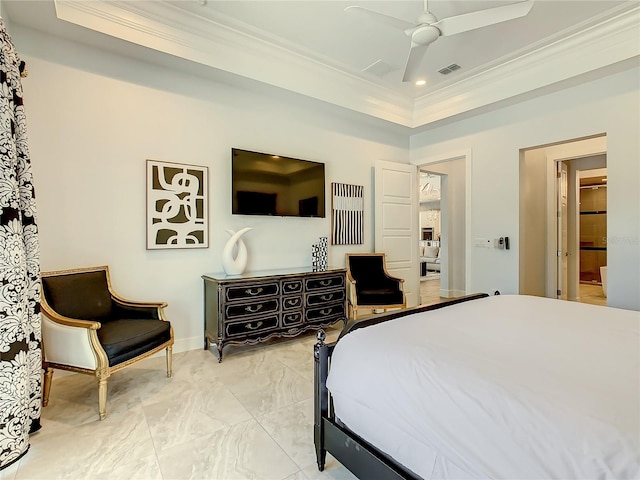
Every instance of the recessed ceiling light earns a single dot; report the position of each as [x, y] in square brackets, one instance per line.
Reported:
[419, 83]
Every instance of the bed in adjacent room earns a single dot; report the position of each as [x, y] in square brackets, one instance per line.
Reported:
[502, 387]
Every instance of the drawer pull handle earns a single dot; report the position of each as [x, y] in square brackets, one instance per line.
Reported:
[250, 326]
[293, 303]
[251, 309]
[325, 283]
[326, 298]
[250, 291]
[292, 287]
[326, 311]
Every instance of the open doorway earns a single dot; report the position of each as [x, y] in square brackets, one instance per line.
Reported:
[558, 239]
[452, 172]
[430, 251]
[592, 225]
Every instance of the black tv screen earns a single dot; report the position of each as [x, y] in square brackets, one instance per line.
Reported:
[264, 184]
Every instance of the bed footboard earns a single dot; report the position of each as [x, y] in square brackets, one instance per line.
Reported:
[361, 458]
[352, 451]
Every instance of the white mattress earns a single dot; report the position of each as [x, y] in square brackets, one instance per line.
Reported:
[504, 387]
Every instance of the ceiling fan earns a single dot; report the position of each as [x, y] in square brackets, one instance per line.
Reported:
[428, 28]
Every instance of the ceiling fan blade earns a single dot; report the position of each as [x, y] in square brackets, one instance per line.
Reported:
[416, 54]
[394, 22]
[483, 18]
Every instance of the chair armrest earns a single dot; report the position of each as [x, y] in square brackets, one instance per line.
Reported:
[131, 309]
[69, 342]
[395, 279]
[399, 280]
[67, 321]
[351, 290]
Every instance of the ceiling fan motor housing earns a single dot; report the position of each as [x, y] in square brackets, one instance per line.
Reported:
[427, 18]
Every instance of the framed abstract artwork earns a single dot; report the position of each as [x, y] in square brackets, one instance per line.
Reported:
[176, 206]
[347, 214]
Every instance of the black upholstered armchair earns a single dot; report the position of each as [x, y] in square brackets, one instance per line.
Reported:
[369, 285]
[87, 328]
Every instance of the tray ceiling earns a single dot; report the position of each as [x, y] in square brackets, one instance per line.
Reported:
[316, 49]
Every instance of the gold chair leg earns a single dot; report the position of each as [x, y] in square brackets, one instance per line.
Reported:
[46, 387]
[102, 396]
[169, 360]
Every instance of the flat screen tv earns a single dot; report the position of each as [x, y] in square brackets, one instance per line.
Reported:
[264, 184]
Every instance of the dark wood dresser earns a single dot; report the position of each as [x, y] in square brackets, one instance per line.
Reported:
[257, 306]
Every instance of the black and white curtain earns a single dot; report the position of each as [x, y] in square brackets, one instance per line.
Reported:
[20, 332]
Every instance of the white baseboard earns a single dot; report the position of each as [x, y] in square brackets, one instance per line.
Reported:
[452, 293]
[187, 344]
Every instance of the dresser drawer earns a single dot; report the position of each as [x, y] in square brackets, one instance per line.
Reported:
[321, 283]
[290, 319]
[251, 327]
[289, 303]
[248, 291]
[325, 313]
[290, 286]
[245, 309]
[322, 298]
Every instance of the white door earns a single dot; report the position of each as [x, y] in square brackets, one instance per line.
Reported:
[563, 243]
[396, 223]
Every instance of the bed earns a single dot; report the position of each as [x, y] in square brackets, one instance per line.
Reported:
[500, 387]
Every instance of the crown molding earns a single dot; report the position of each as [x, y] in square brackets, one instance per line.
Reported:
[160, 26]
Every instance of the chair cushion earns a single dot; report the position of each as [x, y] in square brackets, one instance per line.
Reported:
[380, 297]
[125, 339]
[83, 295]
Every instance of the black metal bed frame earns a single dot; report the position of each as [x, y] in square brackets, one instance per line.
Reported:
[363, 459]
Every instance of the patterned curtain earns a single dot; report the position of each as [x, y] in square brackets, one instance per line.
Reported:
[20, 333]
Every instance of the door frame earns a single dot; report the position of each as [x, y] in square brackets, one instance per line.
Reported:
[563, 274]
[552, 221]
[425, 164]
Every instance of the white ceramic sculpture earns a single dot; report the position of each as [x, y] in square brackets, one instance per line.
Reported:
[231, 265]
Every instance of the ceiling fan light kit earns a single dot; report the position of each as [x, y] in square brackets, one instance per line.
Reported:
[428, 28]
[424, 35]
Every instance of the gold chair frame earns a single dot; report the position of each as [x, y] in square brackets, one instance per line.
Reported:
[102, 370]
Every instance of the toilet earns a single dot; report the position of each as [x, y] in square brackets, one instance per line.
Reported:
[603, 276]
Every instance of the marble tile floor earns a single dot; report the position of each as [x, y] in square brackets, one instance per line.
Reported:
[249, 417]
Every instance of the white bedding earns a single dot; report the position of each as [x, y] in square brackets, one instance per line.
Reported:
[504, 387]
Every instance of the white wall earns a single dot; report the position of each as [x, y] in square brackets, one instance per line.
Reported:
[94, 118]
[608, 105]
